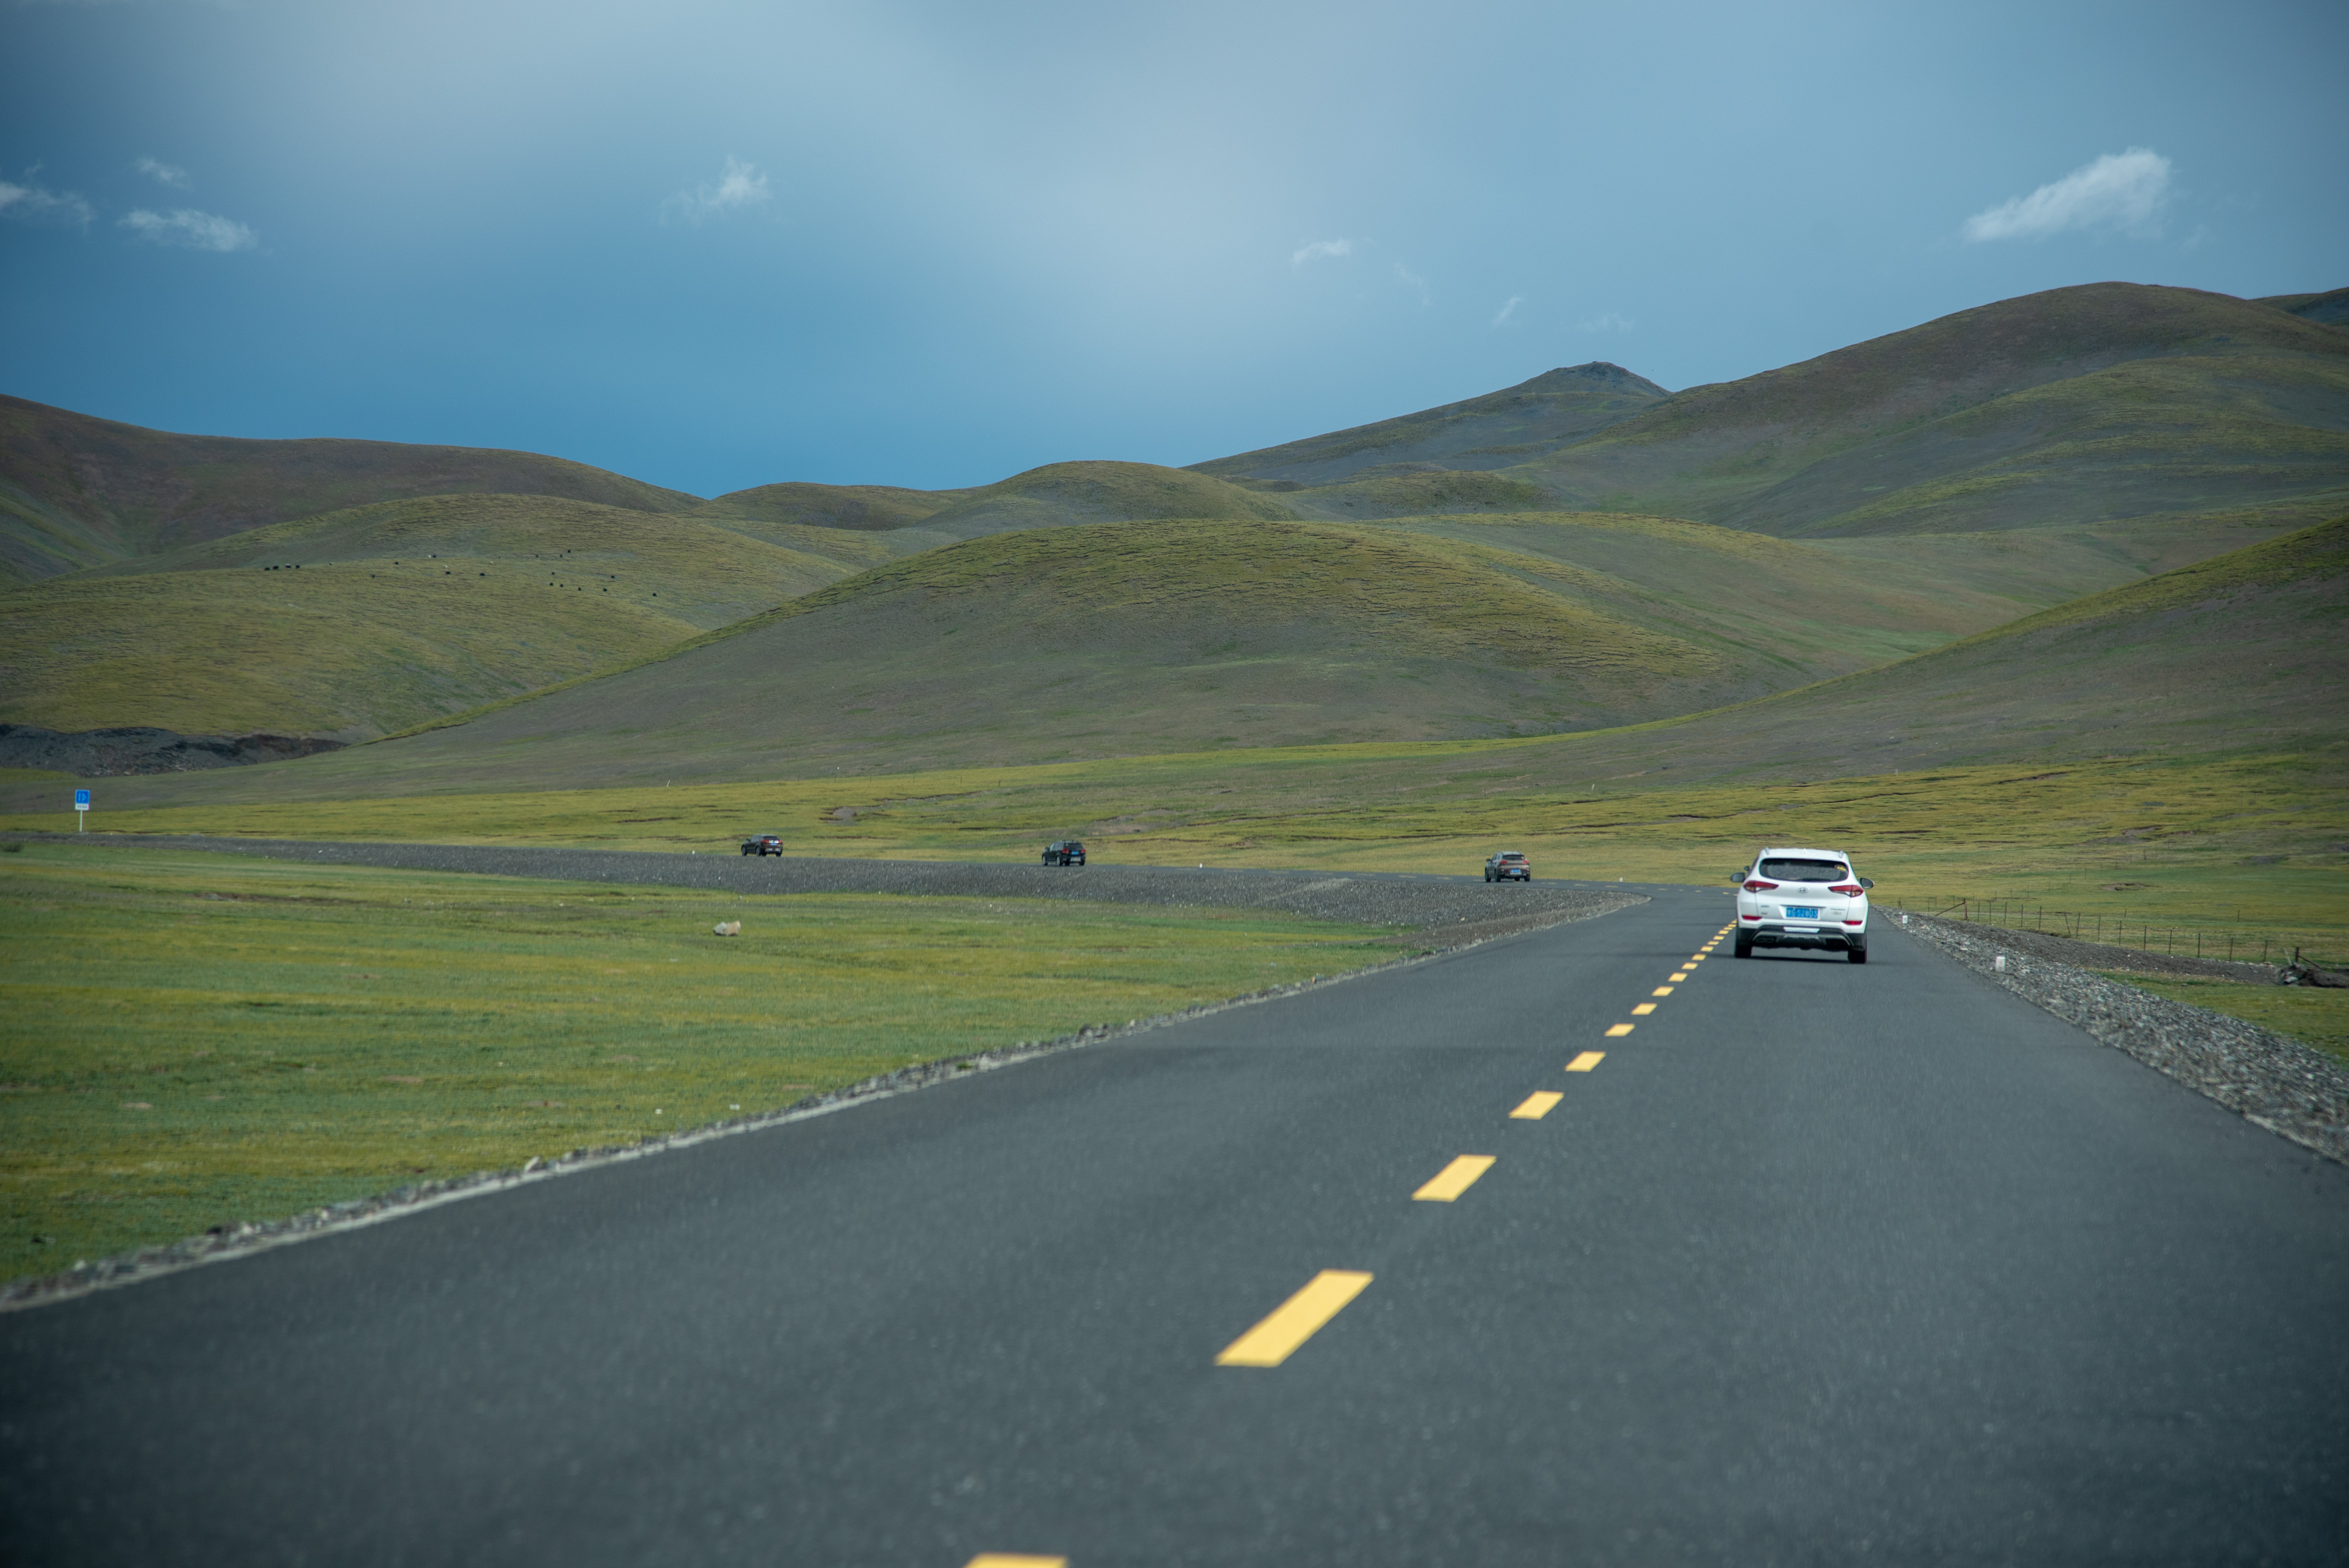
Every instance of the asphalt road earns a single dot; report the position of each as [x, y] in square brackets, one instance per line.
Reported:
[1820, 1264]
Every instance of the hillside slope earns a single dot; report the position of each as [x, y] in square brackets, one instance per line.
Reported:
[867, 508]
[2229, 658]
[1117, 639]
[357, 623]
[2240, 652]
[2087, 407]
[2077, 404]
[77, 491]
[1060, 494]
[1488, 432]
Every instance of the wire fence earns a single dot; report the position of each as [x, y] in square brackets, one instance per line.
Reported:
[2247, 944]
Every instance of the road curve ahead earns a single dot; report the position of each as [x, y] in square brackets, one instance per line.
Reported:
[1815, 1263]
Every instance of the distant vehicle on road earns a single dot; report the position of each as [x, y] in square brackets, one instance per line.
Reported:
[1509, 866]
[1802, 898]
[763, 844]
[1064, 852]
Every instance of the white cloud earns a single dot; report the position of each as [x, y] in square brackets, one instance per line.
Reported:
[1613, 321]
[31, 205]
[741, 185]
[1411, 280]
[2124, 191]
[1320, 248]
[164, 174]
[192, 230]
[1509, 309]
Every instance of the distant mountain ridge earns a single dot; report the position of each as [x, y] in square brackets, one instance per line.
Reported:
[2058, 409]
[77, 491]
[1979, 467]
[1495, 430]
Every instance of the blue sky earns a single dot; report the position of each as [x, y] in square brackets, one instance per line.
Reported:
[714, 245]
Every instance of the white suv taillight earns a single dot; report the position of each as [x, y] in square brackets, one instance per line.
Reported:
[1848, 889]
[1757, 885]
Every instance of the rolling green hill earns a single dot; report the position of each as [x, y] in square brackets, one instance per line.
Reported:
[2080, 408]
[870, 508]
[1868, 505]
[77, 491]
[1060, 494]
[357, 623]
[1117, 639]
[1492, 432]
[2240, 652]
[2331, 307]
[2161, 732]
[2081, 404]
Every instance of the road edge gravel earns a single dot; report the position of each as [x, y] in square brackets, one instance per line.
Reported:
[250, 1239]
[2269, 1079]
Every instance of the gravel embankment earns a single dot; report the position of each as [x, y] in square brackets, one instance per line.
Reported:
[2133, 960]
[2271, 1078]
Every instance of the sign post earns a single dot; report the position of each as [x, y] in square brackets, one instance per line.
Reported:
[81, 811]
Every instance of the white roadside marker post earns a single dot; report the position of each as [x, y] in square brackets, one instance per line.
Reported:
[81, 811]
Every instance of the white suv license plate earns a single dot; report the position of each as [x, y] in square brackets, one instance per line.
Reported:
[1794, 913]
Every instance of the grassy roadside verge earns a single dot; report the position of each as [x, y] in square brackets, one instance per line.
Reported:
[2258, 844]
[189, 1039]
[2314, 1017]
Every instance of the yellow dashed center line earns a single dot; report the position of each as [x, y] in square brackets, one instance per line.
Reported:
[1662, 991]
[1454, 1178]
[1014, 1560]
[1643, 1009]
[1617, 1031]
[1677, 976]
[1537, 1105]
[1295, 1320]
[1585, 1061]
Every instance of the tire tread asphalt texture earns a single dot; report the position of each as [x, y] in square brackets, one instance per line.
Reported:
[1819, 1264]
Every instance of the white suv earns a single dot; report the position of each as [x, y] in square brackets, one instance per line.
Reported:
[1802, 898]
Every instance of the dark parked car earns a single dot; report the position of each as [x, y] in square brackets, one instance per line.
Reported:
[1509, 866]
[763, 844]
[1065, 852]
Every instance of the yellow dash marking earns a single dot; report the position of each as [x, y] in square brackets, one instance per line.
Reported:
[1585, 1061]
[1295, 1320]
[1643, 1009]
[1454, 1178]
[1014, 1560]
[1537, 1105]
[1617, 1031]
[1677, 976]
[1662, 991]
[1696, 957]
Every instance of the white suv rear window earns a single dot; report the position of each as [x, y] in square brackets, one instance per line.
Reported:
[1805, 870]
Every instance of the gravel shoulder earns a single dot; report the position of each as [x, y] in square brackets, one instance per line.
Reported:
[2272, 1080]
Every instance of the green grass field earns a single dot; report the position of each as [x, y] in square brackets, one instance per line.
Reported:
[2314, 1017]
[191, 1039]
[2258, 845]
